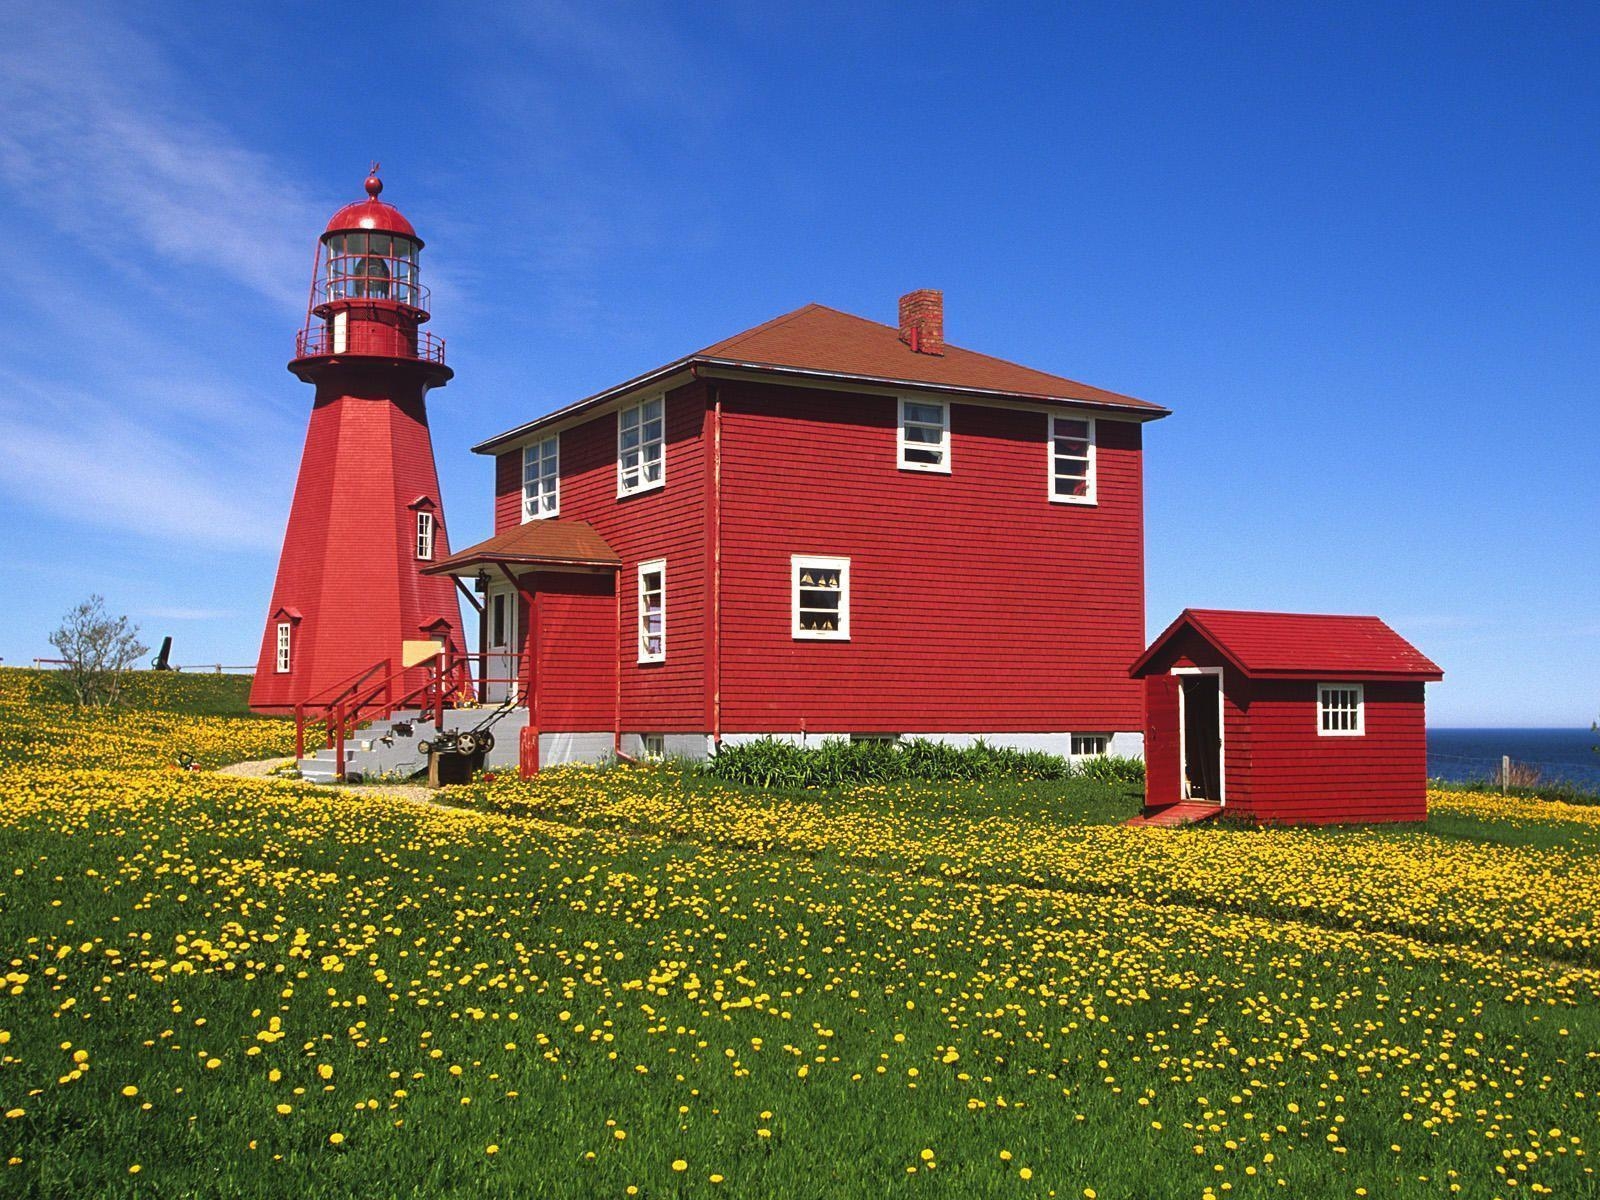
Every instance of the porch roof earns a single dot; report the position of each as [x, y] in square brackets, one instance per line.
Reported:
[553, 543]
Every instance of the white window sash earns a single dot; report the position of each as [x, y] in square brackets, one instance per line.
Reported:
[541, 479]
[641, 446]
[653, 603]
[285, 644]
[1071, 467]
[905, 442]
[1341, 710]
[800, 563]
[425, 528]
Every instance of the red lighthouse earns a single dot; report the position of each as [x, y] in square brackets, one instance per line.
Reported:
[367, 515]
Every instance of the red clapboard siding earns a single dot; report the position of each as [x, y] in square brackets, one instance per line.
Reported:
[577, 638]
[976, 604]
[1299, 775]
[668, 523]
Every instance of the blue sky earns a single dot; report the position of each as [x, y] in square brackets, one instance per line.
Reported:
[1353, 249]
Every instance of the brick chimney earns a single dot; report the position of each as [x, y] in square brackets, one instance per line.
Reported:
[922, 321]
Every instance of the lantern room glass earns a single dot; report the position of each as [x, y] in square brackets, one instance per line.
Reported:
[372, 266]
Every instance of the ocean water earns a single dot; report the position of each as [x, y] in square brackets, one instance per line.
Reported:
[1560, 754]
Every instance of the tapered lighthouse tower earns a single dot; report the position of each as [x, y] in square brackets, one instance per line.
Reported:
[367, 515]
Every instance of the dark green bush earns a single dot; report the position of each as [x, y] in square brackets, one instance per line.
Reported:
[770, 763]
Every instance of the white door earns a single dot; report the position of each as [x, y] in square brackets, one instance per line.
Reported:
[500, 663]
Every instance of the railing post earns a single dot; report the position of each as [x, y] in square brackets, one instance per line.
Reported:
[338, 753]
[299, 732]
[438, 694]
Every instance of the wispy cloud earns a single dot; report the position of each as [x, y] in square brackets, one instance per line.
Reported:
[82, 458]
[179, 613]
[96, 138]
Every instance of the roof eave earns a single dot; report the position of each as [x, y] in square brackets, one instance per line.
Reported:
[1139, 410]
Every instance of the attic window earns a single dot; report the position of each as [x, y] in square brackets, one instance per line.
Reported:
[924, 436]
[1341, 710]
[285, 634]
[820, 598]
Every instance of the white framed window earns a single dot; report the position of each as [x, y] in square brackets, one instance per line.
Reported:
[923, 436]
[641, 446]
[652, 747]
[424, 534]
[653, 611]
[285, 633]
[1090, 745]
[820, 598]
[1341, 710]
[541, 478]
[1072, 459]
[499, 620]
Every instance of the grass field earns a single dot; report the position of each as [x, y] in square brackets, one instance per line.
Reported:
[645, 983]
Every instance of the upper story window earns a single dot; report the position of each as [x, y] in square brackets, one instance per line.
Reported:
[820, 598]
[1072, 460]
[653, 611]
[285, 633]
[424, 534]
[641, 446]
[924, 436]
[541, 478]
[1341, 710]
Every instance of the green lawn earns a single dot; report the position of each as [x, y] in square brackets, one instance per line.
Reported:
[795, 995]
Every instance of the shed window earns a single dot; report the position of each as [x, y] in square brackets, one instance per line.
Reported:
[285, 632]
[641, 441]
[1072, 460]
[924, 436]
[820, 598]
[424, 534]
[541, 478]
[1089, 745]
[653, 611]
[1341, 710]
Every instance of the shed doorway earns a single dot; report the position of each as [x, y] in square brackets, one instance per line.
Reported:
[1200, 723]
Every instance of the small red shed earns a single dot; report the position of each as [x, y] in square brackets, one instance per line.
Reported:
[1286, 717]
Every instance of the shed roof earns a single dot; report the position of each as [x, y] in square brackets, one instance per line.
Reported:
[820, 342]
[1273, 645]
[547, 543]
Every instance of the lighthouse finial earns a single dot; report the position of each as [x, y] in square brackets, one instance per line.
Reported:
[374, 184]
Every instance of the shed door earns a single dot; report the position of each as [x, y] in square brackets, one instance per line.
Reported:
[1163, 766]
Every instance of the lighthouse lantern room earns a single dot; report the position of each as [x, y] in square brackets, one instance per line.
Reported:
[351, 607]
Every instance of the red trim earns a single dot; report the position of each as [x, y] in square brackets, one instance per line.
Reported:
[714, 566]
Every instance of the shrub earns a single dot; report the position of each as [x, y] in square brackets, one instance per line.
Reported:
[771, 763]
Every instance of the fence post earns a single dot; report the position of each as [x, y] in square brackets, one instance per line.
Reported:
[1505, 773]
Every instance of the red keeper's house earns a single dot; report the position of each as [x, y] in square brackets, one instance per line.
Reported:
[823, 526]
[1286, 717]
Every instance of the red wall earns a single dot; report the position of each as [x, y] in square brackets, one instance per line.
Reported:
[668, 522]
[1296, 775]
[575, 644]
[976, 603]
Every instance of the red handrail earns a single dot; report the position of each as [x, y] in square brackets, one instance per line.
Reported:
[442, 677]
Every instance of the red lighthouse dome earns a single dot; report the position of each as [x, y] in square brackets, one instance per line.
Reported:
[372, 213]
[350, 601]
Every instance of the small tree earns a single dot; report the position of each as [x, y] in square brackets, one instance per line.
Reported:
[97, 648]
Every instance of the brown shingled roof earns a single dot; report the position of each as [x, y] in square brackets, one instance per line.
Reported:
[552, 542]
[821, 341]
